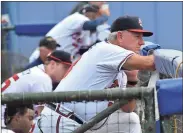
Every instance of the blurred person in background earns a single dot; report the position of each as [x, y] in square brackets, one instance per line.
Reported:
[41, 77]
[46, 46]
[73, 32]
[101, 32]
[18, 118]
[80, 4]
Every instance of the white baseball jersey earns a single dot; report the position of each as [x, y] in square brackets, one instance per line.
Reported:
[52, 122]
[69, 33]
[120, 81]
[96, 70]
[62, 34]
[34, 55]
[103, 31]
[6, 131]
[31, 80]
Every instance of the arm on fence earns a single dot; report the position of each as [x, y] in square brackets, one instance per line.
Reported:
[137, 62]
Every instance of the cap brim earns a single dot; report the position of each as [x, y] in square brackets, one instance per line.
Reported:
[144, 32]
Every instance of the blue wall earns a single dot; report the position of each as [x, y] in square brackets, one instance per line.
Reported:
[163, 18]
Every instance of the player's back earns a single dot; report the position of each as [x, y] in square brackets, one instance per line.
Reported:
[68, 33]
[96, 70]
[28, 81]
[72, 22]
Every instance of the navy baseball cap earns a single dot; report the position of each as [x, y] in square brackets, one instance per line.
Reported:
[129, 23]
[60, 56]
[49, 43]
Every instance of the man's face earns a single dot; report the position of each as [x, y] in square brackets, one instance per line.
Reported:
[25, 121]
[44, 52]
[131, 40]
[58, 70]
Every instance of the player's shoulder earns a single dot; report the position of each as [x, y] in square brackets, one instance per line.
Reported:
[39, 70]
[115, 48]
[78, 16]
[38, 73]
[43, 78]
[108, 47]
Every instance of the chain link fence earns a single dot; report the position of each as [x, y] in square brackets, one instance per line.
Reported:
[114, 122]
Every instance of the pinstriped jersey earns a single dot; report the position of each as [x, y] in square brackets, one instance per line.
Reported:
[69, 33]
[31, 80]
[97, 69]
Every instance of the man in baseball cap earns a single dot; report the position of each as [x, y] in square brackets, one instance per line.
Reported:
[61, 57]
[48, 42]
[107, 59]
[129, 23]
[46, 45]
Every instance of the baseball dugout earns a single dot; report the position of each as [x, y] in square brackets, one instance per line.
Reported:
[151, 121]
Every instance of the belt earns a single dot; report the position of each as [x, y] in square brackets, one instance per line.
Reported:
[70, 115]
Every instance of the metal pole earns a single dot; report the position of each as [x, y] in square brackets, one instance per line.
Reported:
[68, 96]
[151, 105]
[99, 117]
[8, 28]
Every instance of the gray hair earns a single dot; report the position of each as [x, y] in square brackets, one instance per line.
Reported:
[112, 36]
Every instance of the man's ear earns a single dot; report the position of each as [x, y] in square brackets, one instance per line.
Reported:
[17, 117]
[119, 36]
[52, 63]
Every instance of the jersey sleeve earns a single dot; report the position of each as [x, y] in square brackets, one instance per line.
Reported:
[122, 80]
[77, 21]
[42, 84]
[113, 57]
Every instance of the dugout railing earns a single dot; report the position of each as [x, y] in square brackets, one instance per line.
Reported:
[168, 124]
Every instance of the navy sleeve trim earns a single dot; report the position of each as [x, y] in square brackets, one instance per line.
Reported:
[92, 25]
